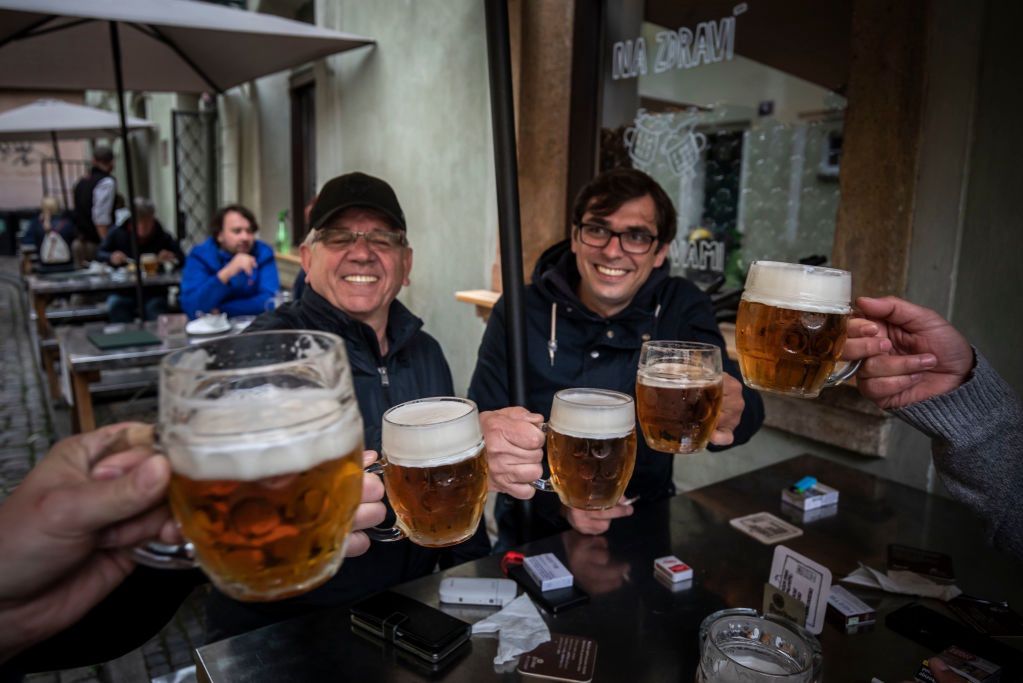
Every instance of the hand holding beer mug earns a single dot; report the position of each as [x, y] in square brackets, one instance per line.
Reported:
[264, 438]
[434, 470]
[591, 447]
[791, 327]
[679, 392]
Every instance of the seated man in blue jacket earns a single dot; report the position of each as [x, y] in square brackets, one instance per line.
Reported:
[231, 272]
[594, 299]
[151, 238]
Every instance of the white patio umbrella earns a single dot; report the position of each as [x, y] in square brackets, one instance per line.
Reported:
[53, 119]
[156, 45]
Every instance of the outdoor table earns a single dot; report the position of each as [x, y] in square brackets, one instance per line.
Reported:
[42, 288]
[83, 362]
[644, 631]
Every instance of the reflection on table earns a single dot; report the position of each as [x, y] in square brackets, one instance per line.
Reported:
[646, 632]
[83, 363]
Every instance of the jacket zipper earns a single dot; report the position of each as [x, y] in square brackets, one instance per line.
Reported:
[385, 382]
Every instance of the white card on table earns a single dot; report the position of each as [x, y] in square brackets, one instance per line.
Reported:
[766, 528]
[806, 581]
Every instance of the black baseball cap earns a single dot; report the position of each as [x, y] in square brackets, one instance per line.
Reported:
[355, 189]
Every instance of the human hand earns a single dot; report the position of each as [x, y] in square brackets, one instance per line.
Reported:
[910, 353]
[514, 443]
[166, 256]
[118, 258]
[590, 561]
[240, 263]
[732, 405]
[67, 532]
[593, 522]
[371, 510]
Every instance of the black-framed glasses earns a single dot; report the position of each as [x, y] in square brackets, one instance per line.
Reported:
[381, 240]
[633, 241]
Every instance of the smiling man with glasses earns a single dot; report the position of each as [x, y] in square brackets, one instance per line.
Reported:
[357, 258]
[594, 299]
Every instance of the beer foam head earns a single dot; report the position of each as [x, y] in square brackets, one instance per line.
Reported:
[263, 434]
[670, 375]
[592, 413]
[431, 431]
[799, 287]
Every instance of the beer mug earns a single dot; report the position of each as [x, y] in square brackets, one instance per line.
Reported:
[740, 645]
[150, 265]
[679, 392]
[791, 327]
[591, 447]
[264, 438]
[434, 468]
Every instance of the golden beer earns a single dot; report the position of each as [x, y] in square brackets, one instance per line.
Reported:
[150, 264]
[439, 505]
[788, 351]
[791, 327]
[278, 536]
[678, 406]
[264, 439]
[591, 447]
[435, 472]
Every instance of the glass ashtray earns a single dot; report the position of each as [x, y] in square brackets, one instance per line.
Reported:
[741, 645]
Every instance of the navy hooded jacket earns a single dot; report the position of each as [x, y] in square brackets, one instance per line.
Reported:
[596, 352]
[414, 367]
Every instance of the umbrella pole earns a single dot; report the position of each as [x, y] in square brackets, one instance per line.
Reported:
[115, 48]
[60, 168]
[503, 120]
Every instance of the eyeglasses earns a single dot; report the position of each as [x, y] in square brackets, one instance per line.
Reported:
[379, 240]
[634, 241]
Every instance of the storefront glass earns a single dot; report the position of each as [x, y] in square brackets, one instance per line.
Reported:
[736, 109]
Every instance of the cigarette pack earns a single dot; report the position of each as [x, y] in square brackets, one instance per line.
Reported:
[547, 571]
[969, 666]
[673, 569]
[817, 496]
[673, 586]
[847, 610]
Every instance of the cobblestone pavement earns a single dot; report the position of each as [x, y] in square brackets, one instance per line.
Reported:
[28, 426]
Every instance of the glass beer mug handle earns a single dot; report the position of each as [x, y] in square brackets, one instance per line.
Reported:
[543, 484]
[379, 533]
[843, 374]
[163, 556]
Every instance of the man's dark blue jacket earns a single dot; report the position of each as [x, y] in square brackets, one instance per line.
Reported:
[592, 351]
[414, 367]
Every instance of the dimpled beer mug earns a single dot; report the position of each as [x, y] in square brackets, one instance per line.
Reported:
[435, 471]
[791, 327]
[591, 447]
[679, 391]
[740, 645]
[264, 438]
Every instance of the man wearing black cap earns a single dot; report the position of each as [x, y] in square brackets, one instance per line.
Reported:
[357, 258]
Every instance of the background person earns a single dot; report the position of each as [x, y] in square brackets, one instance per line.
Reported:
[919, 367]
[594, 299]
[94, 205]
[50, 221]
[152, 239]
[231, 272]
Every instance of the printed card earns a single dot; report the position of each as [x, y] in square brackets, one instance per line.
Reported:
[766, 528]
[806, 581]
[562, 658]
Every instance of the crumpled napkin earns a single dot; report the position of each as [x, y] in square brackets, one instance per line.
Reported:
[521, 628]
[908, 583]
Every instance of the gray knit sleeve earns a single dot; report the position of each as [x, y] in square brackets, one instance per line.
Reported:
[977, 442]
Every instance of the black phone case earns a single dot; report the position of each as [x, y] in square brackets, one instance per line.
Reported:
[557, 600]
[411, 625]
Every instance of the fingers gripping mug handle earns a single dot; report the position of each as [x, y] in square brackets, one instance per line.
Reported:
[164, 555]
[844, 374]
[543, 484]
[377, 533]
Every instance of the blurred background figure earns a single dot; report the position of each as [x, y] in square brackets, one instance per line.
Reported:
[94, 205]
[52, 234]
[152, 239]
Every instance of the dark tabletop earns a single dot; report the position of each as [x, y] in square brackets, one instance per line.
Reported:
[644, 631]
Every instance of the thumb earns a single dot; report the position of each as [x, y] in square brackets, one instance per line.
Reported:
[94, 504]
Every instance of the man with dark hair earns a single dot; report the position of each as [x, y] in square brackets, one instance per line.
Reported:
[594, 299]
[94, 205]
[151, 239]
[357, 258]
[231, 272]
